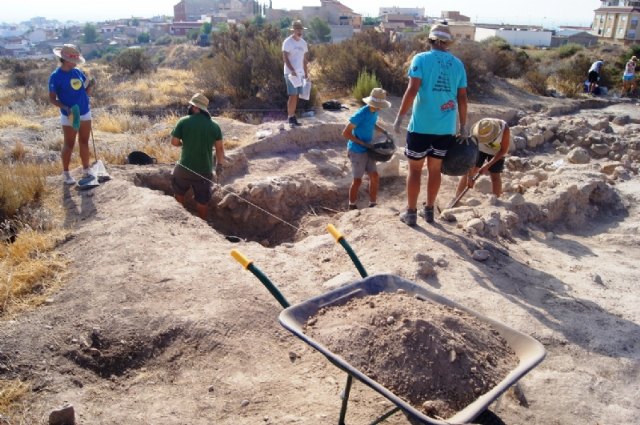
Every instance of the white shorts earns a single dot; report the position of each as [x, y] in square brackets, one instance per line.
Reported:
[64, 120]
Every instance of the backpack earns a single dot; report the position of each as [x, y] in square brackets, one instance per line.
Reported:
[333, 105]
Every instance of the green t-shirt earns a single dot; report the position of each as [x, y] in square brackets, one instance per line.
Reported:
[198, 134]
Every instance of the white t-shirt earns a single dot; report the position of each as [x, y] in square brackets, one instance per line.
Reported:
[296, 50]
[630, 68]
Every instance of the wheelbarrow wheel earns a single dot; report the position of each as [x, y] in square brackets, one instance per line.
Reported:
[488, 418]
[485, 418]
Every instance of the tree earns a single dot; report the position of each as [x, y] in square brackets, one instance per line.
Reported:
[133, 60]
[144, 37]
[90, 34]
[319, 31]
[206, 28]
[193, 34]
[371, 21]
[66, 33]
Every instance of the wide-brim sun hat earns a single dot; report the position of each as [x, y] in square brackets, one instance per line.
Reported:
[486, 130]
[70, 53]
[377, 99]
[199, 101]
[297, 25]
[441, 32]
[633, 58]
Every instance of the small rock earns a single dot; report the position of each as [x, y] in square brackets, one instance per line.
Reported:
[390, 320]
[63, 416]
[597, 279]
[481, 255]
[550, 236]
[211, 388]
[476, 224]
[292, 356]
[244, 403]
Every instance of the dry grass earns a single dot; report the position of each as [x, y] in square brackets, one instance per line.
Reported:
[19, 151]
[11, 392]
[11, 119]
[157, 90]
[20, 184]
[121, 122]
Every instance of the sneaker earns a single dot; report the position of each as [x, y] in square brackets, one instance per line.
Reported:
[68, 179]
[353, 206]
[427, 213]
[409, 217]
[293, 122]
[372, 204]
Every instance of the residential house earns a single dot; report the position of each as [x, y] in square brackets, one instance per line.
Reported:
[415, 12]
[454, 16]
[397, 23]
[574, 36]
[616, 22]
[15, 46]
[183, 28]
[193, 10]
[516, 35]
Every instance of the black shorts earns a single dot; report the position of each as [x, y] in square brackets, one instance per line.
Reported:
[485, 157]
[593, 77]
[183, 179]
[421, 145]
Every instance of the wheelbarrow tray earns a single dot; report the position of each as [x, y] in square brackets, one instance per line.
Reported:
[529, 351]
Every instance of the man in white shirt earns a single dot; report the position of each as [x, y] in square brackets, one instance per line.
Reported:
[294, 52]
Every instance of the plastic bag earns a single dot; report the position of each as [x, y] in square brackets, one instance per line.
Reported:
[306, 90]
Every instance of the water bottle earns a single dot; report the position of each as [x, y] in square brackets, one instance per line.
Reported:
[307, 114]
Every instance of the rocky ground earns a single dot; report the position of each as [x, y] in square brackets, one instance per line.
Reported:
[159, 325]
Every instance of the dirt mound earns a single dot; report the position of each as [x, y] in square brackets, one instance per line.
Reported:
[438, 358]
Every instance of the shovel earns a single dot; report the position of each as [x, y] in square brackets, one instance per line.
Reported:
[461, 194]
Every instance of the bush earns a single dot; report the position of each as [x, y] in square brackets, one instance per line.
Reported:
[366, 82]
[568, 50]
[133, 60]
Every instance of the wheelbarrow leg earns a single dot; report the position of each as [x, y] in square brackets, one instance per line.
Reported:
[345, 400]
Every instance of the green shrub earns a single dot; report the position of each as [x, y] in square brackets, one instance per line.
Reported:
[568, 50]
[133, 60]
[366, 82]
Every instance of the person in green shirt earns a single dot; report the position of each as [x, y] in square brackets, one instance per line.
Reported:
[197, 134]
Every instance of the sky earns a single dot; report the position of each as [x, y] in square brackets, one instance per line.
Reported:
[549, 13]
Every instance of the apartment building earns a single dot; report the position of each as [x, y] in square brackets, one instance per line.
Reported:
[616, 22]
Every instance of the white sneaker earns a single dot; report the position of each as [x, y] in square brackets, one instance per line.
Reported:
[68, 179]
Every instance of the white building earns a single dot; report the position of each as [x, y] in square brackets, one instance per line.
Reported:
[415, 12]
[515, 36]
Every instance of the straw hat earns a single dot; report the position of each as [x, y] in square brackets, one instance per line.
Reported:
[70, 53]
[633, 58]
[486, 130]
[199, 101]
[441, 32]
[377, 99]
[297, 25]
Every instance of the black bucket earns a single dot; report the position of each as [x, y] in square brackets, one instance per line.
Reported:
[461, 156]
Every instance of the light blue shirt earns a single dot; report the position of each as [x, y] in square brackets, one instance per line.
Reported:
[435, 107]
[365, 125]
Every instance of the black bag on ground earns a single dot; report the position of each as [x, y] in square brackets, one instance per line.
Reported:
[140, 158]
[333, 105]
[461, 156]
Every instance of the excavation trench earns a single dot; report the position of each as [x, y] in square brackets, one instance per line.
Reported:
[268, 211]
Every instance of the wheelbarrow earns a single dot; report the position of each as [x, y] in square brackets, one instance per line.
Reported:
[293, 318]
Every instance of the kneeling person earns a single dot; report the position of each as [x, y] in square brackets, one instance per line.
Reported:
[493, 143]
[360, 133]
[197, 134]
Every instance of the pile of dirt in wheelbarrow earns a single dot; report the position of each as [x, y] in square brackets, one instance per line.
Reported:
[437, 358]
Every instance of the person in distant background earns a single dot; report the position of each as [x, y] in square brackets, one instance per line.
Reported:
[594, 75]
[629, 77]
[360, 132]
[69, 90]
[493, 143]
[294, 53]
[197, 134]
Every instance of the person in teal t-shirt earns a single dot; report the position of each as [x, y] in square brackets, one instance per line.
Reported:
[197, 134]
[437, 91]
[360, 131]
